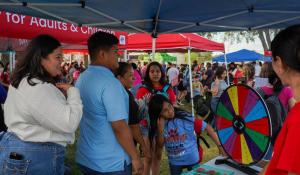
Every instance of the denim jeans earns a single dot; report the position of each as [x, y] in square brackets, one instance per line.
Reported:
[87, 171]
[32, 158]
[214, 103]
[177, 169]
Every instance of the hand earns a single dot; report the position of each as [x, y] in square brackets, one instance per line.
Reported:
[137, 166]
[63, 86]
[146, 151]
[222, 152]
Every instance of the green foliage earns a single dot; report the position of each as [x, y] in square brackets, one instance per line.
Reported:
[264, 35]
[164, 169]
[159, 57]
[200, 57]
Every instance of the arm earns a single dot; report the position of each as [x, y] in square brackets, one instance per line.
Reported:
[201, 89]
[125, 139]
[137, 135]
[160, 133]
[215, 87]
[211, 133]
[292, 102]
[4, 84]
[160, 138]
[52, 110]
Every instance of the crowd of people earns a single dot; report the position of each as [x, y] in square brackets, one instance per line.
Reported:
[127, 112]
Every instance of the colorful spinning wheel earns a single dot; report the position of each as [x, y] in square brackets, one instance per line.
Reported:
[243, 124]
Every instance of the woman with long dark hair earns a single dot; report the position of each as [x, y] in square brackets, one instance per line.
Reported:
[275, 86]
[154, 82]
[218, 86]
[175, 129]
[125, 74]
[41, 114]
[286, 63]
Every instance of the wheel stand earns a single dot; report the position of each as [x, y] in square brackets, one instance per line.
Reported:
[244, 169]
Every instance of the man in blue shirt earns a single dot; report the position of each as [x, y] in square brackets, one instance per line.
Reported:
[105, 145]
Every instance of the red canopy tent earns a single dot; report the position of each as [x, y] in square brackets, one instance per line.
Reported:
[267, 53]
[27, 27]
[180, 42]
[172, 42]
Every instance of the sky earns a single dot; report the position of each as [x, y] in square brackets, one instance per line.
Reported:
[232, 47]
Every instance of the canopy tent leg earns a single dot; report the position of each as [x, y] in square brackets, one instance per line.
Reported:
[226, 65]
[12, 61]
[125, 55]
[191, 83]
[70, 60]
[153, 49]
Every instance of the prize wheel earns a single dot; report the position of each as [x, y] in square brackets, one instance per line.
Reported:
[243, 124]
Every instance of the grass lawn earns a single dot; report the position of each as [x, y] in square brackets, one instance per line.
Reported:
[208, 154]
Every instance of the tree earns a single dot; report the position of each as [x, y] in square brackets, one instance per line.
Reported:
[265, 36]
[200, 57]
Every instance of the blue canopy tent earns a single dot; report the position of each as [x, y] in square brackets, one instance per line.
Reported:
[240, 56]
[266, 59]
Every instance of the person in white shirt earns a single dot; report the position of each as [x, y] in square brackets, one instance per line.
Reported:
[41, 114]
[257, 69]
[173, 74]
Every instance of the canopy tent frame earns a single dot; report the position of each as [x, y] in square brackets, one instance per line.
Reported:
[130, 23]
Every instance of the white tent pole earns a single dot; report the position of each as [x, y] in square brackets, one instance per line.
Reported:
[125, 55]
[89, 59]
[12, 58]
[153, 48]
[226, 65]
[70, 60]
[190, 75]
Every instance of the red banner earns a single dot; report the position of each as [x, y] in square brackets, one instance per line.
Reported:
[27, 27]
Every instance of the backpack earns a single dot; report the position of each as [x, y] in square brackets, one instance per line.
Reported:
[276, 110]
[163, 91]
[200, 106]
[143, 113]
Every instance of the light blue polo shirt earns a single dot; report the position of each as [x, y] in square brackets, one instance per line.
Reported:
[104, 101]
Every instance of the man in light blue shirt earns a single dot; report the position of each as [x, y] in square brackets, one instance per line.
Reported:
[105, 145]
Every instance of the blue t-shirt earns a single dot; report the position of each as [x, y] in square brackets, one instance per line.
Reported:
[104, 101]
[180, 140]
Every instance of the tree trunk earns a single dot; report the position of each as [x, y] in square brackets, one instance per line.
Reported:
[268, 37]
[276, 31]
[262, 39]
